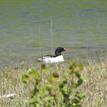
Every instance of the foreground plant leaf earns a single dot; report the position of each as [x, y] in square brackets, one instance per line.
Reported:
[55, 87]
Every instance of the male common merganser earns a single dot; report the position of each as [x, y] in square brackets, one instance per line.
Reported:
[53, 59]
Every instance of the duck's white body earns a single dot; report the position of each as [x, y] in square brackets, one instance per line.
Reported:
[50, 59]
[57, 58]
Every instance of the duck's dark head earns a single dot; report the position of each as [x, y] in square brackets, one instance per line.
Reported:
[59, 50]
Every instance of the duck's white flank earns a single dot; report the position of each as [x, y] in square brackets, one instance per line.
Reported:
[48, 59]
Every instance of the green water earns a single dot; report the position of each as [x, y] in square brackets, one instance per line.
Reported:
[25, 28]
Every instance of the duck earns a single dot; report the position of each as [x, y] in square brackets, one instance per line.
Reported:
[57, 58]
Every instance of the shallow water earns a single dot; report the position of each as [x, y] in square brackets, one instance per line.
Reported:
[30, 29]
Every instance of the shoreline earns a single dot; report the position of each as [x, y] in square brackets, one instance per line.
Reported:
[10, 80]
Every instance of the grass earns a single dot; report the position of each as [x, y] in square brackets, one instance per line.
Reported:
[95, 85]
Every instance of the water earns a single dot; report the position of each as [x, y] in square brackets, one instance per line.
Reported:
[25, 29]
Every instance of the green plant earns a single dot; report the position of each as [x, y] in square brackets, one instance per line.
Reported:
[55, 87]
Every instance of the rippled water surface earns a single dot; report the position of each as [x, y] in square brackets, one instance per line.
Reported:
[32, 28]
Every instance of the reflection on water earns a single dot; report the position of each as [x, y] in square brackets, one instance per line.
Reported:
[25, 29]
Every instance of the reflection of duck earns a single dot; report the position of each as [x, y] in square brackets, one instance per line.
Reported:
[53, 59]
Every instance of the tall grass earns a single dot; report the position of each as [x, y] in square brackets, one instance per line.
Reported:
[94, 87]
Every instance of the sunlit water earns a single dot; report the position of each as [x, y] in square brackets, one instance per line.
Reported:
[30, 29]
